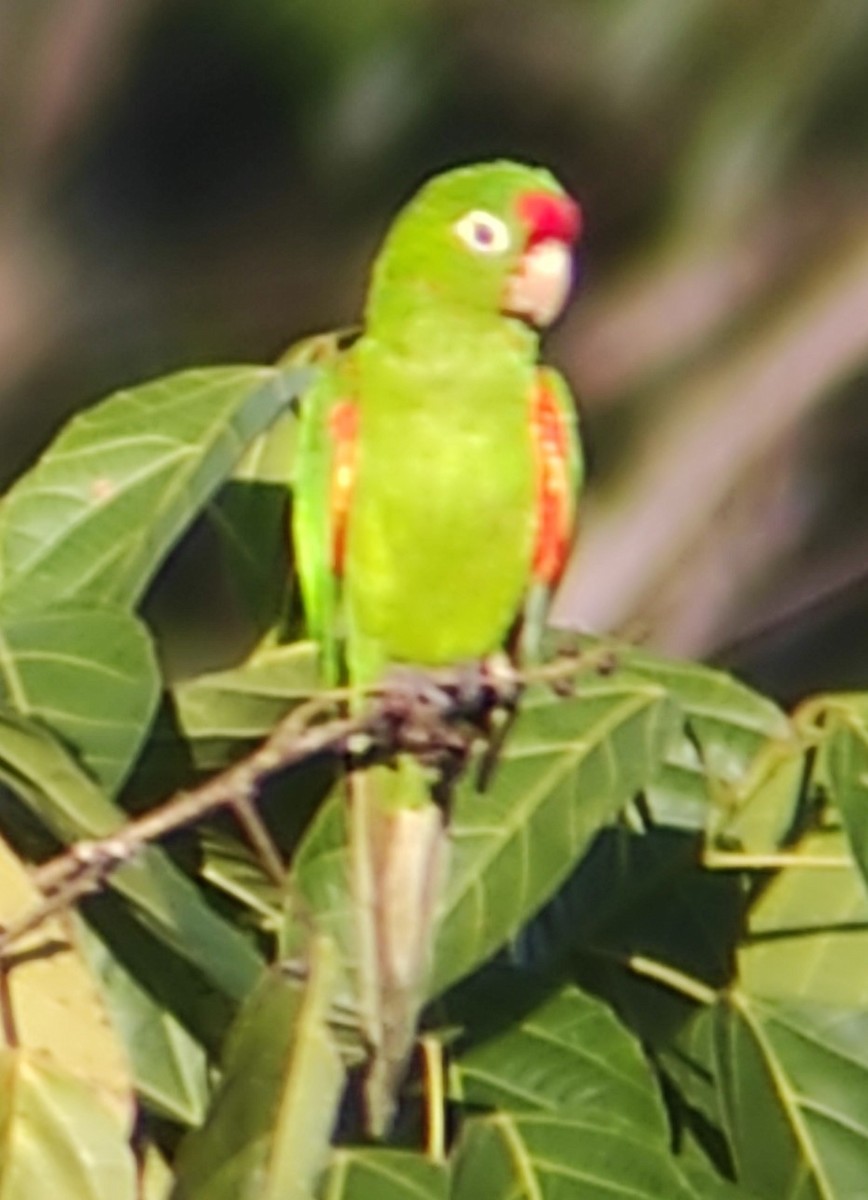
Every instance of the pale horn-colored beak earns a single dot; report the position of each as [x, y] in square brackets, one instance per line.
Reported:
[538, 288]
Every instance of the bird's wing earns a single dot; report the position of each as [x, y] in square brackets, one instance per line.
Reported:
[560, 474]
[324, 479]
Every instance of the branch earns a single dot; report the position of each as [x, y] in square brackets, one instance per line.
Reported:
[434, 716]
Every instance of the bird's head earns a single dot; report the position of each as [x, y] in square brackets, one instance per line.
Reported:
[493, 237]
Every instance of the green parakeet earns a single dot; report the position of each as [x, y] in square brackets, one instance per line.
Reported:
[436, 483]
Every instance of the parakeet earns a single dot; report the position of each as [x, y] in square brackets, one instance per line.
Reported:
[436, 484]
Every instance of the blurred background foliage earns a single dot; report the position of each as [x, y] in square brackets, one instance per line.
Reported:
[192, 181]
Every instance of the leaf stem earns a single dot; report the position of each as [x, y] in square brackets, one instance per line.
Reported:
[671, 977]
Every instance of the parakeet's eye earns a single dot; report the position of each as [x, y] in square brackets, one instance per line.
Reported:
[483, 232]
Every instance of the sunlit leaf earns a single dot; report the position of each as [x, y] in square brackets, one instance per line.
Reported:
[54, 1002]
[794, 1083]
[156, 1175]
[88, 673]
[111, 495]
[569, 765]
[809, 929]
[737, 768]
[57, 1138]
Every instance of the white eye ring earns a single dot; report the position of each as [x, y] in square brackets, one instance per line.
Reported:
[483, 232]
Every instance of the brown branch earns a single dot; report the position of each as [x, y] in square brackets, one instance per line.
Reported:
[83, 868]
[437, 715]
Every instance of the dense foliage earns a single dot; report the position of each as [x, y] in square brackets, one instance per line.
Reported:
[647, 977]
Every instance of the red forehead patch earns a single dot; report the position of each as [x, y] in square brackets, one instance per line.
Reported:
[547, 216]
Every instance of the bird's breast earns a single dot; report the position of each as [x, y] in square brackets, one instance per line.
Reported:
[441, 531]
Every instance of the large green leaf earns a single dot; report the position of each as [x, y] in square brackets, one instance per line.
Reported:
[167, 904]
[788, 1043]
[554, 1051]
[538, 1048]
[570, 764]
[371, 1173]
[57, 1138]
[267, 1135]
[563, 1157]
[111, 495]
[794, 1083]
[88, 673]
[37, 769]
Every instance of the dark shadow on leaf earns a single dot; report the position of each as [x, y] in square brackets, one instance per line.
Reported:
[641, 895]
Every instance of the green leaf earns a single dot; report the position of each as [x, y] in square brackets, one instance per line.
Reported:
[111, 495]
[169, 1065]
[706, 1184]
[794, 1082]
[642, 893]
[267, 1135]
[53, 995]
[155, 1175]
[569, 765]
[534, 1049]
[42, 774]
[88, 673]
[808, 927]
[167, 904]
[552, 1157]
[736, 769]
[56, 1138]
[231, 864]
[561, 1054]
[845, 764]
[369, 1173]
[789, 1043]
[223, 713]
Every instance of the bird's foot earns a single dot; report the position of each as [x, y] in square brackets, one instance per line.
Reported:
[440, 716]
[484, 686]
[419, 710]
